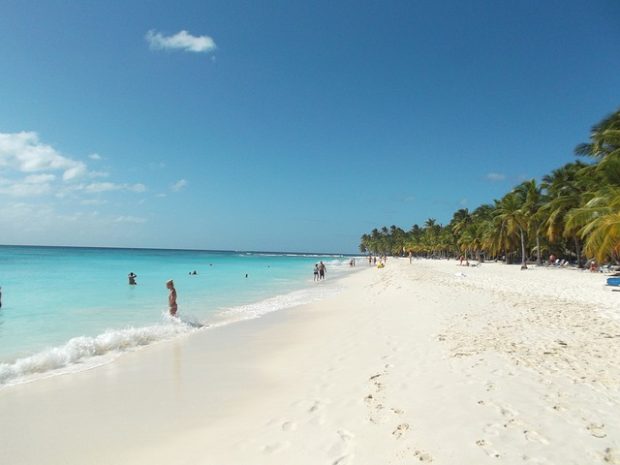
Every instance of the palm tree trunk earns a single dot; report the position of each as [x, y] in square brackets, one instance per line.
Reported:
[578, 251]
[538, 259]
[523, 257]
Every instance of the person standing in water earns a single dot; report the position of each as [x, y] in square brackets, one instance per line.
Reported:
[316, 271]
[322, 269]
[172, 298]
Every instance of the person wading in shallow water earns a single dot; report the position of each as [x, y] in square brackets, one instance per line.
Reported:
[322, 269]
[172, 298]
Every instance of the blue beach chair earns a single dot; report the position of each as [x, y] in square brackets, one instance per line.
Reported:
[615, 281]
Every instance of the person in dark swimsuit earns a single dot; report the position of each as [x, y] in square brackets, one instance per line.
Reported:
[322, 269]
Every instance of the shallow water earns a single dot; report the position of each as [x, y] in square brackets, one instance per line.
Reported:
[61, 306]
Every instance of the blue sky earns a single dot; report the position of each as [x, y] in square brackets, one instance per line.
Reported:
[285, 125]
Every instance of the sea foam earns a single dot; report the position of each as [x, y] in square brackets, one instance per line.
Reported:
[85, 352]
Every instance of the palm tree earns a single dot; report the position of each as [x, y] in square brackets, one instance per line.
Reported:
[461, 228]
[598, 221]
[577, 203]
[604, 138]
[566, 187]
[531, 195]
[513, 220]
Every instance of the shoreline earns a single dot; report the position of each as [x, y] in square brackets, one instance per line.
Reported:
[406, 364]
[82, 353]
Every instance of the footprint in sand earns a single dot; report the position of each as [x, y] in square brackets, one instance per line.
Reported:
[342, 449]
[289, 426]
[423, 456]
[345, 435]
[535, 437]
[611, 456]
[486, 446]
[400, 430]
[597, 430]
[316, 406]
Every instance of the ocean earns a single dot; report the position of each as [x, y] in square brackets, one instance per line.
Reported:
[69, 308]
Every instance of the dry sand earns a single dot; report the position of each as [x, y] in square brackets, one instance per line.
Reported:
[408, 364]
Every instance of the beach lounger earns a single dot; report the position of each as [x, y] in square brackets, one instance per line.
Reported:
[613, 281]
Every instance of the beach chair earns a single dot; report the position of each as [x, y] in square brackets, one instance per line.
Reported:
[613, 281]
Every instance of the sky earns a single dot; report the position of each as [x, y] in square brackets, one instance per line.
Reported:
[286, 125]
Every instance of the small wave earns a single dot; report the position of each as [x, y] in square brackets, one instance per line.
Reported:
[84, 352]
[80, 349]
[273, 304]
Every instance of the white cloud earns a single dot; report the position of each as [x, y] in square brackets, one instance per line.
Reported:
[45, 223]
[182, 40]
[24, 188]
[24, 152]
[97, 187]
[496, 177]
[130, 219]
[74, 172]
[98, 174]
[136, 187]
[177, 186]
[95, 156]
[39, 178]
[93, 202]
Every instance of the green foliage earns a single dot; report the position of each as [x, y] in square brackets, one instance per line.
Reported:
[574, 211]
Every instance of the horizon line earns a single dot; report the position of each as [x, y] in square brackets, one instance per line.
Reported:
[176, 250]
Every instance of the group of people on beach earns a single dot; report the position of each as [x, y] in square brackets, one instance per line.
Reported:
[372, 260]
[319, 271]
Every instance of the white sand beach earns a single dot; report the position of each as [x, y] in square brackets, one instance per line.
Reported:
[411, 363]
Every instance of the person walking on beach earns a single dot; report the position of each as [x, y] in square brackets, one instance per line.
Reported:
[322, 269]
[316, 271]
[172, 298]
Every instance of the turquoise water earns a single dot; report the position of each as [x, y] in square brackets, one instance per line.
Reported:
[62, 306]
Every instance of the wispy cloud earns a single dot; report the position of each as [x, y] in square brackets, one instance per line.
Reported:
[97, 187]
[182, 40]
[24, 188]
[93, 202]
[496, 177]
[24, 152]
[39, 178]
[177, 186]
[31, 168]
[130, 219]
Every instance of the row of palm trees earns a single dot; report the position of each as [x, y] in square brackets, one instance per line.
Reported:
[573, 213]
